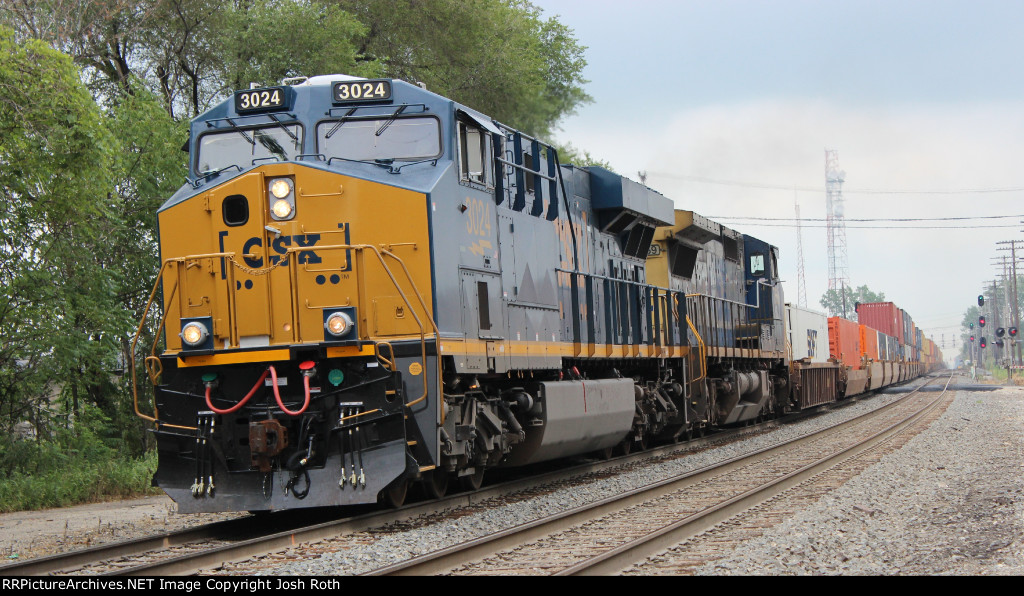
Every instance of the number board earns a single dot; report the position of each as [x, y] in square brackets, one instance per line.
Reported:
[255, 100]
[350, 91]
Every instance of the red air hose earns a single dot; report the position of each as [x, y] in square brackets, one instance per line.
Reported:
[277, 394]
[237, 406]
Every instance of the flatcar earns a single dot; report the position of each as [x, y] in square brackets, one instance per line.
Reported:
[364, 285]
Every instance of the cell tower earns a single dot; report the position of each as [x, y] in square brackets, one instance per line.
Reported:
[838, 270]
[801, 280]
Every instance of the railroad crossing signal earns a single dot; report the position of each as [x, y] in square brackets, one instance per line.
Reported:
[1013, 332]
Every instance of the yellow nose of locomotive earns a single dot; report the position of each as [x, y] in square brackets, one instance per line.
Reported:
[288, 254]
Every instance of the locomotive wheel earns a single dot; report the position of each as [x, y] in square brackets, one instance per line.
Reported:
[394, 495]
[473, 481]
[605, 453]
[436, 484]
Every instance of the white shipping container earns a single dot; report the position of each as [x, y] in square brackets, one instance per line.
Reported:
[808, 333]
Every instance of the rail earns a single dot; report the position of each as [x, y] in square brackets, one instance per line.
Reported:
[153, 362]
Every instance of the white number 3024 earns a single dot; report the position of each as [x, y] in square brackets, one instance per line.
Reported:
[260, 99]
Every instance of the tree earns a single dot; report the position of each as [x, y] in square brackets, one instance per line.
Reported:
[843, 304]
[150, 166]
[496, 56]
[570, 154]
[57, 311]
[194, 52]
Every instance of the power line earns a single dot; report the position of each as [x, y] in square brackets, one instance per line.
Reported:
[772, 225]
[755, 218]
[791, 187]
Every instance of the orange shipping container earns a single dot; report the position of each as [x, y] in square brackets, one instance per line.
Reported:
[868, 342]
[844, 341]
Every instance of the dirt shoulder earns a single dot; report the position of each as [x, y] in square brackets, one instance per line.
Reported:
[29, 534]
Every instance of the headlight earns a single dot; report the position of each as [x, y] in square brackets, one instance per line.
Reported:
[282, 209]
[282, 198]
[194, 334]
[338, 324]
[280, 188]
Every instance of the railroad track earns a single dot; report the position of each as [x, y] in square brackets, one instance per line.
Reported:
[226, 545]
[188, 551]
[609, 536]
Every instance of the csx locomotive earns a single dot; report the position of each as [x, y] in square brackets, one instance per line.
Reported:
[366, 285]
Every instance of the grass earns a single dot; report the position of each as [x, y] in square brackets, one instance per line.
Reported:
[81, 482]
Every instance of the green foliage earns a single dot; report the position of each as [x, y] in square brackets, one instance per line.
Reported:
[570, 154]
[833, 301]
[148, 170]
[56, 300]
[496, 56]
[78, 480]
[266, 41]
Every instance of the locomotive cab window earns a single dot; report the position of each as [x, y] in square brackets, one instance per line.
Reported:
[402, 139]
[757, 264]
[474, 146]
[248, 146]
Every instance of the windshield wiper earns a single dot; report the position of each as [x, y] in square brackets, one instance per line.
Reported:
[390, 120]
[284, 128]
[240, 131]
[340, 122]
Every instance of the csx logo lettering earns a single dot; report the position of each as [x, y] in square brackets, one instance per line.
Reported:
[280, 245]
[812, 342]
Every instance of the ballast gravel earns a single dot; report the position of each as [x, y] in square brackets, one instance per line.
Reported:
[949, 502]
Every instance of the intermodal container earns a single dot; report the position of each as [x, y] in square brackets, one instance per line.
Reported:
[844, 341]
[869, 342]
[808, 333]
[882, 316]
[893, 348]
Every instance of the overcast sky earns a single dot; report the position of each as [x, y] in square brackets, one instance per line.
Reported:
[729, 106]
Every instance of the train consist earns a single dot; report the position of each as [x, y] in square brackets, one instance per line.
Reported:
[366, 285]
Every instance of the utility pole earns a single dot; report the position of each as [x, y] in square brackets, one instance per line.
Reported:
[1014, 310]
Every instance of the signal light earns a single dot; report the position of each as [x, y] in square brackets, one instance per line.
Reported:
[981, 300]
[981, 321]
[983, 342]
[1000, 332]
[1013, 332]
[972, 325]
[972, 339]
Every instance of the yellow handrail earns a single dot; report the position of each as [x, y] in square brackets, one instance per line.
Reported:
[702, 352]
